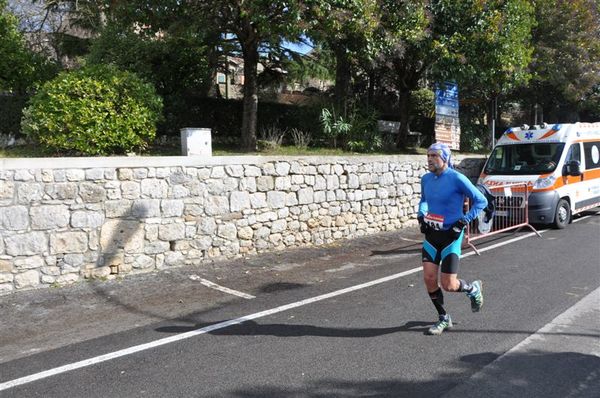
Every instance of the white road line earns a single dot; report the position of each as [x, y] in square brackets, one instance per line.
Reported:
[183, 336]
[224, 289]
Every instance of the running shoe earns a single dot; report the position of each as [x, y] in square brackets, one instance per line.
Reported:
[476, 296]
[444, 323]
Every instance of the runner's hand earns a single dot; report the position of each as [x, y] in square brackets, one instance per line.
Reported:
[457, 228]
[424, 227]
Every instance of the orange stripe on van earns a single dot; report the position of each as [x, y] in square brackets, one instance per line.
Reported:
[568, 180]
[513, 136]
[548, 134]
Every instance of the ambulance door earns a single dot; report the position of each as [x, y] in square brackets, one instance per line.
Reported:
[590, 191]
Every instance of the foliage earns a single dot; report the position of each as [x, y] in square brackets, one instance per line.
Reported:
[301, 138]
[20, 68]
[173, 63]
[358, 131]
[271, 137]
[334, 126]
[97, 110]
[566, 56]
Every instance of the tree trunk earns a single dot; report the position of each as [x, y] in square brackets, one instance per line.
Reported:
[250, 51]
[342, 79]
[404, 104]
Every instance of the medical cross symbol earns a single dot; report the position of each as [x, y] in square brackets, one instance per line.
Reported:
[529, 135]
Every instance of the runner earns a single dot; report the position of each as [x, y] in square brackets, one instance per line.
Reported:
[442, 220]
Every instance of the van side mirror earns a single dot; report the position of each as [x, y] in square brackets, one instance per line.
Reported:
[572, 168]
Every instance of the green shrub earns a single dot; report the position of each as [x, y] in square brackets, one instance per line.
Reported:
[97, 110]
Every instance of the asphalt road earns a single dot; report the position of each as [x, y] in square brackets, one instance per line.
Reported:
[343, 321]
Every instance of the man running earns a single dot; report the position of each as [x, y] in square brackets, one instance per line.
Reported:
[442, 220]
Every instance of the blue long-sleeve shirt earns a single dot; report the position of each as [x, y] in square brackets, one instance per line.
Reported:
[444, 195]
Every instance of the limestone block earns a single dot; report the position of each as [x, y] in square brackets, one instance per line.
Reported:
[215, 187]
[140, 173]
[216, 205]
[6, 278]
[145, 208]
[117, 208]
[282, 168]
[169, 232]
[87, 219]
[122, 234]
[6, 266]
[258, 200]
[156, 247]
[207, 226]
[26, 244]
[172, 207]
[29, 192]
[7, 189]
[278, 226]
[227, 231]
[94, 174]
[67, 279]
[276, 199]
[306, 196]
[75, 175]
[174, 259]
[124, 174]
[252, 171]
[23, 175]
[320, 197]
[30, 262]
[154, 188]
[130, 190]
[239, 200]
[265, 183]
[248, 184]
[14, 218]
[68, 242]
[49, 217]
[217, 172]
[27, 279]
[245, 233]
[62, 191]
[235, 170]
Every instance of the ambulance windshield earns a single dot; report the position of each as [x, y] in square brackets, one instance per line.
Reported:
[518, 159]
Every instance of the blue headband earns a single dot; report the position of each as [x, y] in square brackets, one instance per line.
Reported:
[443, 151]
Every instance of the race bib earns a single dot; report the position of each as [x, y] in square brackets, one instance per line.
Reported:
[435, 221]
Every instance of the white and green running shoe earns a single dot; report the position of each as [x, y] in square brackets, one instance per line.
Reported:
[444, 323]
[476, 296]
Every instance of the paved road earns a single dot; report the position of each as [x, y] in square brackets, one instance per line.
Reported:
[342, 321]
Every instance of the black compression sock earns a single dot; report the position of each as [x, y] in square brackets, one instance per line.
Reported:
[437, 298]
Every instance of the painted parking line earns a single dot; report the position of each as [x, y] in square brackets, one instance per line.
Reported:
[224, 289]
[183, 336]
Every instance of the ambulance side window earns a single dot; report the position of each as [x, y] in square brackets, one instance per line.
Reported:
[592, 155]
[574, 153]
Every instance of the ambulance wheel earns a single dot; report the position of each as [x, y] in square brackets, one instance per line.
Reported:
[562, 215]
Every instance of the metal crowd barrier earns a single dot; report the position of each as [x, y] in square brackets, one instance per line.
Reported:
[511, 201]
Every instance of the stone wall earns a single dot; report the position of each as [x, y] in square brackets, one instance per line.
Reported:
[62, 220]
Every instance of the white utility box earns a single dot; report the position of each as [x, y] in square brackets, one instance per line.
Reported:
[196, 142]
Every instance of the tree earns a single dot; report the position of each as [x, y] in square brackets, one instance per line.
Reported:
[20, 68]
[347, 27]
[489, 55]
[255, 26]
[565, 66]
[409, 51]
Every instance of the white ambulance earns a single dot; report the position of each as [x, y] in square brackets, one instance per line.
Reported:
[560, 162]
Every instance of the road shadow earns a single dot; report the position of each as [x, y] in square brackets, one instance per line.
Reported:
[252, 328]
[240, 327]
